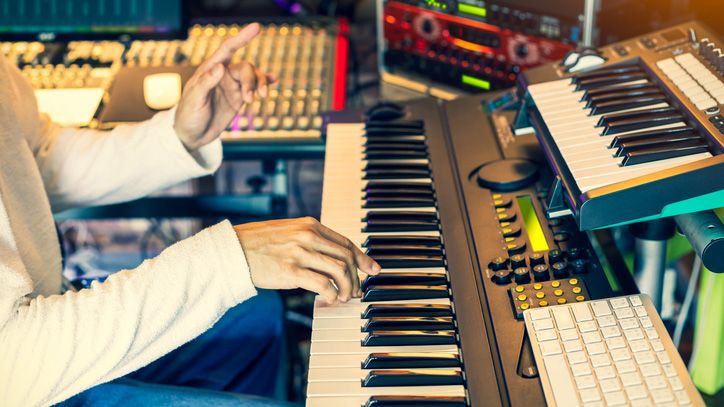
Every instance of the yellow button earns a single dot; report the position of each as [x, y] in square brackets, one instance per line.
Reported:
[556, 284]
[537, 286]
[522, 297]
[576, 290]
[580, 298]
[558, 293]
[540, 294]
[573, 281]
[500, 210]
[509, 239]
[561, 300]
[504, 224]
[519, 289]
[497, 196]
[524, 306]
[543, 303]
[498, 202]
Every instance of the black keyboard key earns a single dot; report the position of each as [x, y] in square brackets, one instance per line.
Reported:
[665, 152]
[396, 146]
[641, 144]
[400, 221]
[604, 120]
[379, 131]
[399, 193]
[398, 185]
[404, 292]
[416, 401]
[413, 377]
[418, 278]
[408, 261]
[409, 338]
[606, 71]
[409, 324]
[639, 123]
[650, 134]
[606, 81]
[633, 89]
[410, 360]
[380, 240]
[618, 105]
[391, 124]
[404, 250]
[407, 310]
[397, 174]
[395, 155]
[398, 202]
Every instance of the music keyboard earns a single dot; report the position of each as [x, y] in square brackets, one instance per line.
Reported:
[639, 137]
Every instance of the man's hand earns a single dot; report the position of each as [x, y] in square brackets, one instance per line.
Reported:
[302, 253]
[217, 91]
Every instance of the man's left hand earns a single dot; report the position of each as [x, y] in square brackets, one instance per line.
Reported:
[217, 91]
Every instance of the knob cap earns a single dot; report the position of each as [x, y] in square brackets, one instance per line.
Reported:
[574, 253]
[560, 269]
[498, 263]
[517, 261]
[522, 275]
[555, 255]
[536, 259]
[502, 277]
[580, 266]
[540, 272]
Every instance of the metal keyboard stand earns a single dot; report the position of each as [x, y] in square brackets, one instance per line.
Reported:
[650, 256]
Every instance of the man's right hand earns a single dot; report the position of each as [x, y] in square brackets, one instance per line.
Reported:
[303, 253]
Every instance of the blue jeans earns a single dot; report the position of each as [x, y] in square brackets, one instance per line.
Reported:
[240, 354]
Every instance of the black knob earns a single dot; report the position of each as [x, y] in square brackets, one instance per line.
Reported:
[560, 269]
[515, 247]
[555, 255]
[427, 26]
[575, 253]
[498, 263]
[579, 266]
[540, 272]
[521, 50]
[536, 259]
[522, 275]
[517, 261]
[502, 277]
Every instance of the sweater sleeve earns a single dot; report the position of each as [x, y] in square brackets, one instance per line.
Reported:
[54, 347]
[82, 167]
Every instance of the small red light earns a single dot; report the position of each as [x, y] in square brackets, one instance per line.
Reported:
[390, 19]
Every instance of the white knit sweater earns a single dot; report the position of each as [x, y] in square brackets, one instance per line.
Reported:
[53, 346]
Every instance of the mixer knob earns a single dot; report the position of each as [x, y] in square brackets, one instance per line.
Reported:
[521, 50]
[427, 26]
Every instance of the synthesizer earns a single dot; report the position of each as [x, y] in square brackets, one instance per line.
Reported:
[310, 58]
[451, 204]
[638, 136]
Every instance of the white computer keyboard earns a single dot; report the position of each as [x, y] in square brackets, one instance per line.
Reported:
[608, 352]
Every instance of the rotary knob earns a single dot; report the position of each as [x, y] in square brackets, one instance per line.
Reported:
[540, 272]
[498, 263]
[536, 259]
[517, 261]
[522, 275]
[502, 277]
[555, 255]
[580, 266]
[560, 269]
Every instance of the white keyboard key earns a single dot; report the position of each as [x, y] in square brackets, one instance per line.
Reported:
[546, 335]
[581, 369]
[620, 354]
[607, 320]
[581, 312]
[635, 300]
[633, 334]
[636, 392]
[657, 345]
[620, 302]
[538, 313]
[663, 357]
[628, 323]
[568, 334]
[585, 382]
[645, 357]
[641, 403]
[595, 348]
[638, 346]
[588, 396]
[610, 332]
[577, 357]
[550, 348]
[615, 343]
[560, 379]
[682, 397]
[669, 370]
[588, 326]
[625, 366]
[651, 369]
[609, 385]
[600, 360]
[600, 308]
[662, 395]
[591, 337]
[630, 379]
[622, 313]
[543, 324]
[605, 372]
[615, 398]
[655, 382]
[652, 333]
[640, 311]
[646, 322]
[563, 318]
[676, 384]
[572, 346]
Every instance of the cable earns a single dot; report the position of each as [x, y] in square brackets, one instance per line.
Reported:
[688, 299]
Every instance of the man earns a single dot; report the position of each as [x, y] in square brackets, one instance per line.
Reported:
[55, 346]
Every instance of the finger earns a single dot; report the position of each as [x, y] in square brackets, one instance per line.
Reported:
[245, 75]
[231, 89]
[261, 83]
[318, 283]
[315, 242]
[200, 88]
[364, 262]
[227, 48]
[336, 269]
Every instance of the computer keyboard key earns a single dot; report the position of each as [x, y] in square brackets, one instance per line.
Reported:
[605, 372]
[588, 326]
[559, 378]
[620, 354]
[628, 323]
[581, 369]
[650, 369]
[577, 357]
[640, 311]
[645, 357]
[630, 379]
[572, 346]
[539, 313]
[669, 370]
[609, 385]
[568, 334]
[615, 343]
[638, 346]
[595, 348]
[616, 398]
[581, 312]
[607, 320]
[610, 332]
[590, 395]
[662, 395]
[682, 397]
[655, 382]
[543, 324]
[591, 337]
[625, 366]
[620, 302]
[600, 360]
[563, 318]
[546, 335]
[633, 334]
[676, 384]
[636, 392]
[550, 348]
[622, 313]
[646, 322]
[656, 345]
[652, 333]
[635, 301]
[585, 382]
[600, 308]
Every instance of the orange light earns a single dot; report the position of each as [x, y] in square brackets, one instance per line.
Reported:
[390, 19]
[471, 46]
